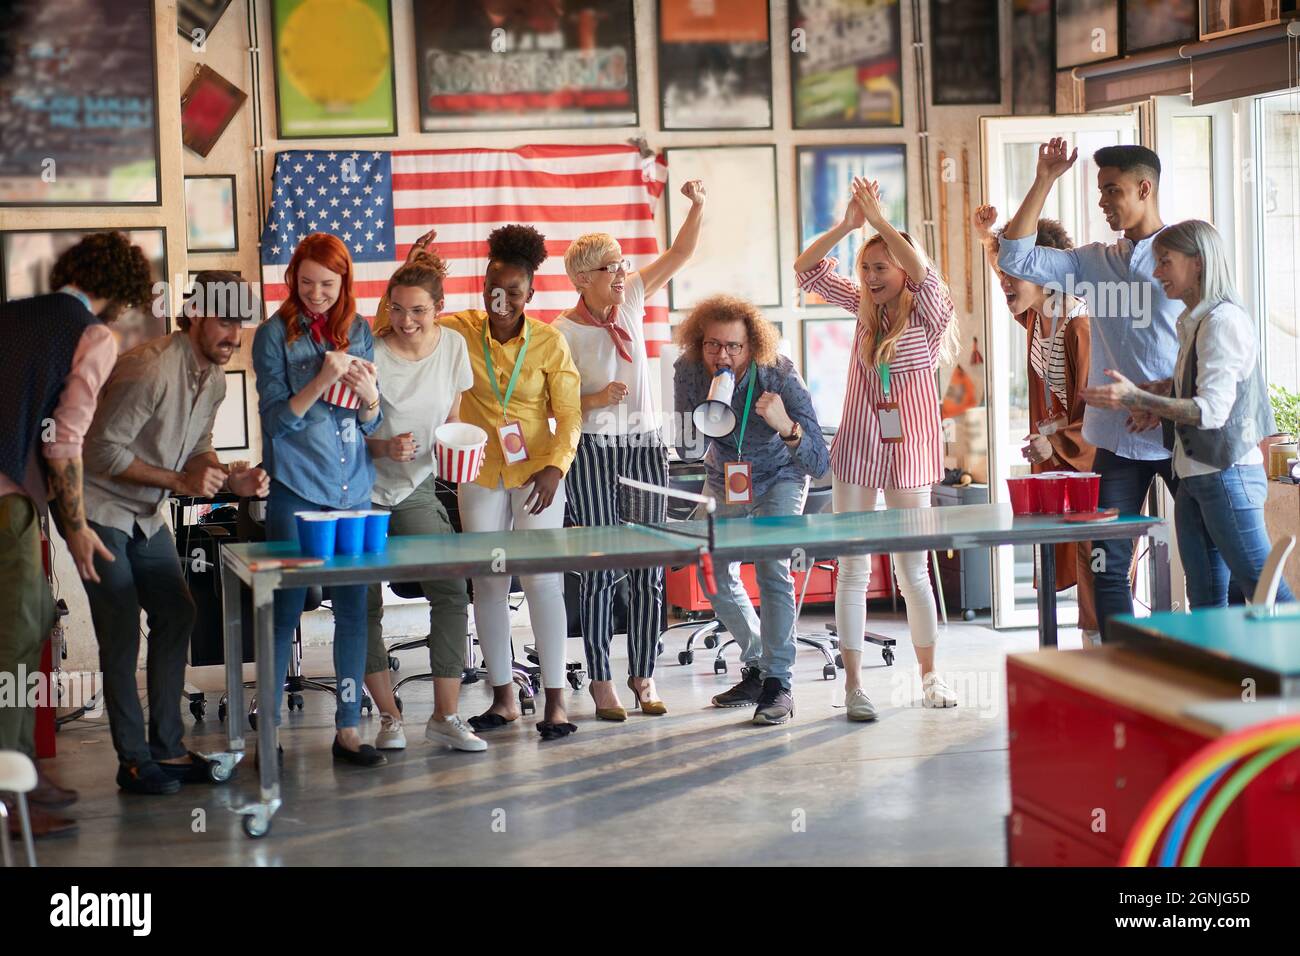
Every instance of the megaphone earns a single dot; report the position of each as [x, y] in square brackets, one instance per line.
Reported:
[713, 416]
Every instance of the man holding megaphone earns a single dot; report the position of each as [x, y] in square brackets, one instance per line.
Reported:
[765, 443]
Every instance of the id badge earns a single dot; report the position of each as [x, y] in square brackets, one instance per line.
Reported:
[512, 442]
[738, 481]
[891, 422]
[1050, 426]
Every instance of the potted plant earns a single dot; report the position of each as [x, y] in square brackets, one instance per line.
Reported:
[1286, 412]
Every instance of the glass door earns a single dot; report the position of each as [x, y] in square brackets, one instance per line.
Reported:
[1010, 151]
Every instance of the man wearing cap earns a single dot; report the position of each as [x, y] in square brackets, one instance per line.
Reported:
[760, 468]
[151, 437]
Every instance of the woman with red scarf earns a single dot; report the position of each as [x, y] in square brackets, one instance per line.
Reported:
[318, 400]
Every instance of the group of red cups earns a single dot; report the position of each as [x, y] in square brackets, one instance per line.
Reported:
[1055, 493]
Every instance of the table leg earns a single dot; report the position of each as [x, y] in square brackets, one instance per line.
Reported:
[257, 816]
[1045, 564]
[231, 615]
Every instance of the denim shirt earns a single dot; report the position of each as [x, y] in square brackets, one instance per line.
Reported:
[770, 458]
[321, 456]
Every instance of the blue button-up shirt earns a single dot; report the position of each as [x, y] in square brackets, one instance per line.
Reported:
[771, 459]
[321, 456]
[1133, 323]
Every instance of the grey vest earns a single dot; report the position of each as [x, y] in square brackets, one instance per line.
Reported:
[1250, 421]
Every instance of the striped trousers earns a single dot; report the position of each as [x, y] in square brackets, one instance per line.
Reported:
[596, 498]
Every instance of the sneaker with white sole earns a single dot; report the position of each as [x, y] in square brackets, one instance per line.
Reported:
[453, 732]
[391, 736]
[859, 705]
[935, 693]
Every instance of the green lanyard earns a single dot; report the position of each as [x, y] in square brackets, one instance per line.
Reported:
[492, 371]
[882, 367]
[744, 420]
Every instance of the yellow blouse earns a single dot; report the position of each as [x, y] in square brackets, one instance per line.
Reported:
[547, 388]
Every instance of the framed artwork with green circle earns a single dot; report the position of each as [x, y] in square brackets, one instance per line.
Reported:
[333, 68]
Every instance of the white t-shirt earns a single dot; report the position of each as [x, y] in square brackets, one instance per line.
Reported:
[599, 364]
[416, 397]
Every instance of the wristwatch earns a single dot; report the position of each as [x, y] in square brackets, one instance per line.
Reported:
[794, 437]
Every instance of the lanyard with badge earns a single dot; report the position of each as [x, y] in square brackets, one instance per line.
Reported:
[888, 415]
[1052, 423]
[511, 433]
[738, 478]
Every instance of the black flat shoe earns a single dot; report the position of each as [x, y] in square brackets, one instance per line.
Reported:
[488, 721]
[198, 770]
[366, 756]
[146, 778]
[550, 731]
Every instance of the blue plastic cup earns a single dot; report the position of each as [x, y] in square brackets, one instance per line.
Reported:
[377, 531]
[316, 532]
[351, 536]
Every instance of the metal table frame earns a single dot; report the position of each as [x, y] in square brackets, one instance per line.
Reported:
[417, 558]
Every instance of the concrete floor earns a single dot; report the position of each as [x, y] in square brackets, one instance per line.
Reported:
[699, 786]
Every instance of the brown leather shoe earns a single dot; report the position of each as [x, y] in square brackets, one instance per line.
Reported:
[49, 795]
[44, 823]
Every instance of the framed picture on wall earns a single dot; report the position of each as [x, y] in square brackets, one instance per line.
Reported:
[78, 104]
[1154, 23]
[1033, 58]
[230, 429]
[1222, 17]
[825, 185]
[208, 105]
[828, 348]
[715, 65]
[210, 220]
[535, 66]
[333, 68]
[743, 259]
[1087, 31]
[964, 63]
[196, 19]
[846, 64]
[27, 255]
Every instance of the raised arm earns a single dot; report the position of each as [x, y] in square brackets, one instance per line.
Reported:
[1018, 254]
[855, 217]
[656, 275]
[867, 194]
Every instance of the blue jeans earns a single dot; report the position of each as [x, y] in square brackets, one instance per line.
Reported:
[349, 618]
[1124, 485]
[768, 644]
[1220, 523]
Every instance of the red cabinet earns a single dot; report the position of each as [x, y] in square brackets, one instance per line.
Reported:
[685, 594]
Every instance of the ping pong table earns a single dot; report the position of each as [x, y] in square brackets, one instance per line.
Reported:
[259, 567]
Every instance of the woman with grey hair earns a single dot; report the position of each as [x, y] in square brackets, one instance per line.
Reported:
[1214, 411]
[620, 438]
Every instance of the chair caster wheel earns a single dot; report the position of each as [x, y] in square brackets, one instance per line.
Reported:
[888, 655]
[839, 661]
[219, 771]
[711, 641]
[295, 702]
[367, 705]
[536, 681]
[968, 614]
[527, 703]
[393, 663]
[256, 825]
[828, 672]
[198, 709]
[576, 679]
[221, 713]
[719, 666]
[659, 648]
[252, 721]
[397, 699]
[686, 657]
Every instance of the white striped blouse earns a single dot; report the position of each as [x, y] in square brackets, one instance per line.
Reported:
[858, 456]
[1047, 358]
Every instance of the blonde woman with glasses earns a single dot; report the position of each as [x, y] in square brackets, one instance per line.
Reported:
[890, 438]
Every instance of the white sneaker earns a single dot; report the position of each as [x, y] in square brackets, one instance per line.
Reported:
[453, 732]
[860, 706]
[935, 693]
[391, 736]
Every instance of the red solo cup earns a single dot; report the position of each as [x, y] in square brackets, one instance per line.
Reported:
[1051, 493]
[459, 447]
[1083, 488]
[1023, 498]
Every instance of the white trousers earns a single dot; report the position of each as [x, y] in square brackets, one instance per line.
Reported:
[909, 568]
[496, 509]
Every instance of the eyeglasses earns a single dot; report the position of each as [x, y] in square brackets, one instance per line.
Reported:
[622, 265]
[713, 347]
[419, 313]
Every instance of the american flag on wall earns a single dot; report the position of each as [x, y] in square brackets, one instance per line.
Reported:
[380, 202]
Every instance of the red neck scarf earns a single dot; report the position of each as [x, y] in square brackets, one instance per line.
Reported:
[317, 324]
[583, 316]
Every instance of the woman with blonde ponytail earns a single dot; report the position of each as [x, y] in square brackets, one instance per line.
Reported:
[890, 437]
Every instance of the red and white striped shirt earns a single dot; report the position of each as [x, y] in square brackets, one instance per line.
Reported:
[858, 456]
